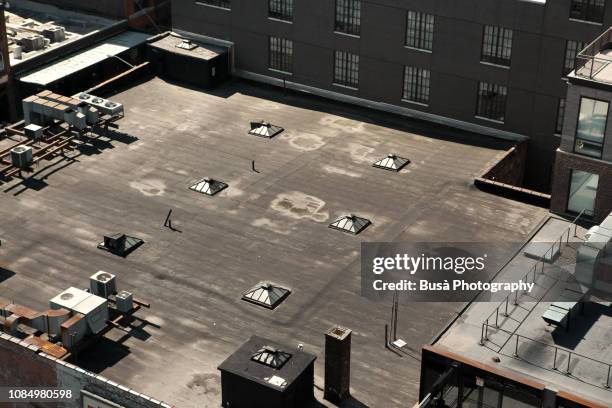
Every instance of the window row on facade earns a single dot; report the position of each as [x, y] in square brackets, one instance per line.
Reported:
[348, 12]
[491, 97]
[496, 40]
[416, 81]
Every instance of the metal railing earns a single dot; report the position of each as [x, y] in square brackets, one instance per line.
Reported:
[569, 353]
[532, 271]
[587, 63]
[484, 334]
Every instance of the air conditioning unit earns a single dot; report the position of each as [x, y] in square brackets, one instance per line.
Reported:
[32, 43]
[21, 156]
[105, 106]
[124, 301]
[54, 34]
[103, 284]
[33, 131]
[83, 96]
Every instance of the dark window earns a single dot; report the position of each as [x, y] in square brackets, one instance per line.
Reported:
[419, 30]
[572, 48]
[496, 45]
[226, 4]
[416, 84]
[491, 101]
[346, 69]
[281, 9]
[560, 116]
[588, 10]
[348, 16]
[281, 54]
[591, 129]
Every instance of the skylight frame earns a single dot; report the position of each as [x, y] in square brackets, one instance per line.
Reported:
[341, 222]
[399, 162]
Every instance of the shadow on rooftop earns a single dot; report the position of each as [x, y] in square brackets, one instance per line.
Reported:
[5, 274]
[349, 111]
[350, 402]
[102, 354]
[580, 325]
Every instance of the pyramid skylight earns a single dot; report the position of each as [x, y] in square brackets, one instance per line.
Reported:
[264, 129]
[266, 294]
[350, 223]
[392, 163]
[271, 357]
[208, 186]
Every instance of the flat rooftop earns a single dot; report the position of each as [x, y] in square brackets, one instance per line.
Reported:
[269, 224]
[587, 338]
[25, 17]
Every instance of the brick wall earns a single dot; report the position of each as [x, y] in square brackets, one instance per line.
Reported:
[23, 365]
[564, 163]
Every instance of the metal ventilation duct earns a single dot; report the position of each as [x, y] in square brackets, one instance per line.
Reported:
[264, 129]
[392, 163]
[120, 244]
[350, 223]
[266, 294]
[208, 186]
[271, 357]
[186, 44]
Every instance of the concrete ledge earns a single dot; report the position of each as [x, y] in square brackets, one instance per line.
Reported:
[513, 192]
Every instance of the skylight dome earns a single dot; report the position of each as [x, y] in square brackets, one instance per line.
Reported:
[392, 163]
[264, 129]
[350, 223]
[266, 294]
[271, 357]
[208, 186]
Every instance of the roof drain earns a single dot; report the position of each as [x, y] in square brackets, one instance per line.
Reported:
[351, 224]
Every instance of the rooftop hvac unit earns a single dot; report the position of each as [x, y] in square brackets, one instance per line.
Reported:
[21, 156]
[124, 301]
[32, 43]
[83, 96]
[103, 284]
[54, 34]
[105, 106]
[33, 131]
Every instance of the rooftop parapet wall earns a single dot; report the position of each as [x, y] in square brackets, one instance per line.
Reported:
[25, 365]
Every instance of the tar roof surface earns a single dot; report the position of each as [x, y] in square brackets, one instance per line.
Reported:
[268, 225]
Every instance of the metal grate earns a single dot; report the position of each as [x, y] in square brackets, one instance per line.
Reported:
[264, 129]
[271, 357]
[208, 186]
[266, 294]
[351, 224]
[392, 163]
